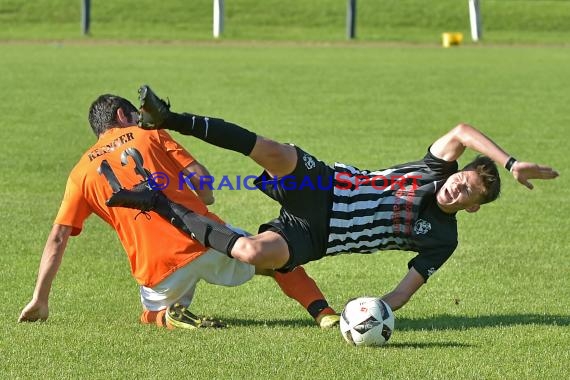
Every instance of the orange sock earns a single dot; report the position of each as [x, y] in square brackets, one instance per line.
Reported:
[148, 317]
[161, 320]
[298, 285]
[158, 317]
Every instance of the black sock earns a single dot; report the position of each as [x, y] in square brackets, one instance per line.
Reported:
[165, 208]
[206, 231]
[213, 131]
[316, 307]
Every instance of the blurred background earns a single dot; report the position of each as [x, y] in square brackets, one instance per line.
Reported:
[416, 21]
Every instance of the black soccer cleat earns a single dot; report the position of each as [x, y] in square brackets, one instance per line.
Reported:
[142, 197]
[153, 111]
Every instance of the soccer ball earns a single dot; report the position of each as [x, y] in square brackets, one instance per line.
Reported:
[367, 321]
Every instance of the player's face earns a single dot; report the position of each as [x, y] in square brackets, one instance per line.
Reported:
[461, 191]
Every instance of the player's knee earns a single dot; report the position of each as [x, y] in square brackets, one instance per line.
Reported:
[247, 250]
[262, 251]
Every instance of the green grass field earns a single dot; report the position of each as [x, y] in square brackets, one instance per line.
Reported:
[498, 309]
[417, 21]
[369, 106]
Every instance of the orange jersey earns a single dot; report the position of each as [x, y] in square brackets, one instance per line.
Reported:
[155, 248]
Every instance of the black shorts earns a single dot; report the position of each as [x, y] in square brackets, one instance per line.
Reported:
[305, 196]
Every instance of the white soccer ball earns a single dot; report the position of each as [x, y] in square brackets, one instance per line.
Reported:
[367, 321]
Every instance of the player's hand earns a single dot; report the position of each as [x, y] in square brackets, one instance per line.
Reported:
[34, 311]
[523, 171]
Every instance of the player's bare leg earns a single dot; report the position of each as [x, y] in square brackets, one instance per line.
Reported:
[266, 250]
[276, 158]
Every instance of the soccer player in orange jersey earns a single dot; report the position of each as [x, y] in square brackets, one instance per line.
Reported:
[165, 261]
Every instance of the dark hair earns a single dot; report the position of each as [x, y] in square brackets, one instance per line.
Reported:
[487, 170]
[103, 112]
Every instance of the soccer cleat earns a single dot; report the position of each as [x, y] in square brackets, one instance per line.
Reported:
[329, 321]
[142, 197]
[153, 111]
[179, 316]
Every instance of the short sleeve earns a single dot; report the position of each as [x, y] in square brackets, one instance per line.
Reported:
[429, 261]
[440, 166]
[176, 151]
[74, 208]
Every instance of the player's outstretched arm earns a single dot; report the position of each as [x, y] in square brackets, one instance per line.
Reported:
[402, 293]
[37, 308]
[451, 146]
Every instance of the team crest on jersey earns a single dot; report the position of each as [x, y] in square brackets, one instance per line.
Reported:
[422, 227]
[309, 161]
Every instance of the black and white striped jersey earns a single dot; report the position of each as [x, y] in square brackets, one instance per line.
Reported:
[393, 209]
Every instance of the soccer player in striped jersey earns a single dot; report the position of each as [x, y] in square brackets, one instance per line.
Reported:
[327, 210]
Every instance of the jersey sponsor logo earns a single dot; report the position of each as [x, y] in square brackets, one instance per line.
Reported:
[403, 201]
[309, 161]
[422, 227]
